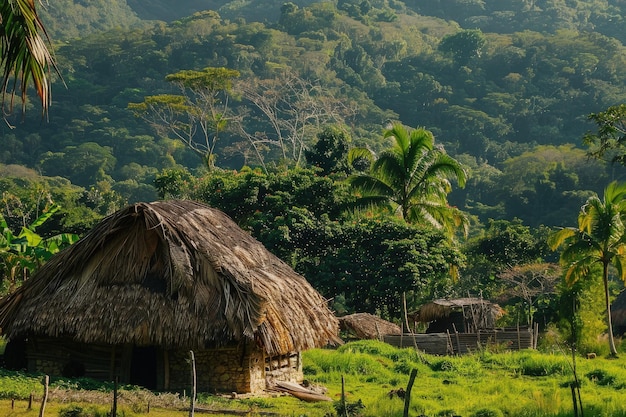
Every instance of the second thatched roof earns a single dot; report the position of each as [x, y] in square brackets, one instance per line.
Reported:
[368, 326]
[173, 274]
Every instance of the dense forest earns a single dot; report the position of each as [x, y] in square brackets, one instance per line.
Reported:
[255, 107]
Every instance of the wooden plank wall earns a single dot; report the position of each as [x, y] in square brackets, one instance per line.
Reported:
[461, 343]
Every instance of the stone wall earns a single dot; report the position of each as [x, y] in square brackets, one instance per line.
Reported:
[227, 369]
[233, 369]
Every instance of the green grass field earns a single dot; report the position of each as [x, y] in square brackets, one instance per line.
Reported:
[483, 384]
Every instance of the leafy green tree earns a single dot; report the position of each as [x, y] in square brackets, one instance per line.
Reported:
[610, 138]
[21, 254]
[412, 178]
[199, 115]
[85, 164]
[25, 196]
[599, 239]
[463, 45]
[330, 151]
[23, 52]
[501, 245]
[246, 193]
[368, 264]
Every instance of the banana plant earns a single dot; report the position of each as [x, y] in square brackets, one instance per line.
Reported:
[22, 254]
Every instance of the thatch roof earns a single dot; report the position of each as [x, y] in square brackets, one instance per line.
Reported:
[368, 326]
[173, 274]
[442, 308]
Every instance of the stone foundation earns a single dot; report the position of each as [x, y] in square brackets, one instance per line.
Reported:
[238, 368]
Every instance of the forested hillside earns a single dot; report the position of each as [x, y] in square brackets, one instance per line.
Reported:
[510, 100]
[274, 112]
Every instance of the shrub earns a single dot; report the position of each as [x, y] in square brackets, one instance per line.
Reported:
[487, 412]
[75, 410]
[442, 365]
[543, 365]
[601, 377]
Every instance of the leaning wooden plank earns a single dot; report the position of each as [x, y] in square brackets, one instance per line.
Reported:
[300, 392]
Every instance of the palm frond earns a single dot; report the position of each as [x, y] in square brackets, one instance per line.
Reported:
[389, 167]
[615, 192]
[440, 216]
[369, 185]
[25, 57]
[580, 268]
[400, 135]
[357, 153]
[558, 238]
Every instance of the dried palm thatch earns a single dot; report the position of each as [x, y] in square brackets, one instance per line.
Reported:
[172, 274]
[477, 311]
[368, 326]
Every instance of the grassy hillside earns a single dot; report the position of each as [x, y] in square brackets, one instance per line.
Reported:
[525, 383]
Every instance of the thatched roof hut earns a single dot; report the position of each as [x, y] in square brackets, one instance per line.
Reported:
[464, 315]
[368, 326]
[176, 275]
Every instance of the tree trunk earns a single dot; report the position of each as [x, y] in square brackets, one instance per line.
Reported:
[605, 280]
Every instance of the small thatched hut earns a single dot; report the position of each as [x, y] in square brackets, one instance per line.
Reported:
[154, 281]
[464, 315]
[367, 326]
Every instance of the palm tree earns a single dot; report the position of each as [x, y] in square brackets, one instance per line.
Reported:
[413, 178]
[599, 239]
[24, 54]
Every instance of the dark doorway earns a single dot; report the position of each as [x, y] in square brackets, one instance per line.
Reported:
[143, 367]
[14, 357]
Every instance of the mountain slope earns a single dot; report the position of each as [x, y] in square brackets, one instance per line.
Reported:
[67, 19]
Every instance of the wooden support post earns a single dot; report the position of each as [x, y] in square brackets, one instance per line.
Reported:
[407, 395]
[344, 407]
[192, 401]
[458, 341]
[46, 382]
[535, 336]
[449, 345]
[30, 401]
[114, 408]
[406, 321]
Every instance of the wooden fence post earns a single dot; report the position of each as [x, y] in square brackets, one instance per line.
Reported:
[114, 409]
[344, 406]
[46, 382]
[193, 384]
[407, 395]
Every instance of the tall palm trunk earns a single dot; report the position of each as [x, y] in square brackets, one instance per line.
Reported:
[605, 280]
